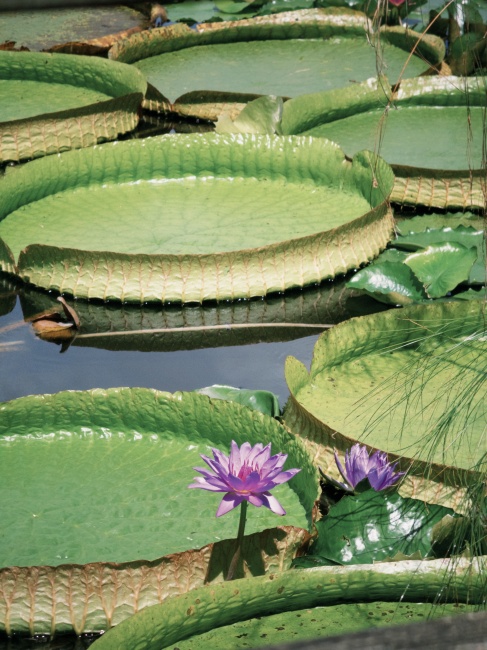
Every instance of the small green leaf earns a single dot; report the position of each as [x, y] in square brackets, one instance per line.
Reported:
[372, 526]
[390, 255]
[442, 267]
[437, 221]
[478, 272]
[472, 294]
[257, 400]
[393, 283]
[261, 116]
[198, 11]
[465, 235]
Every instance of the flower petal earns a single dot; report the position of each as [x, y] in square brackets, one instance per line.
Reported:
[340, 468]
[235, 462]
[280, 478]
[270, 501]
[235, 483]
[229, 502]
[204, 485]
[259, 455]
[221, 458]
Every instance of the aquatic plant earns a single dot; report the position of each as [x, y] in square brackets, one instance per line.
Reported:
[360, 466]
[247, 474]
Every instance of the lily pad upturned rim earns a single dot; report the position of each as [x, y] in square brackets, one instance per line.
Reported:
[87, 125]
[332, 351]
[90, 598]
[446, 189]
[307, 23]
[319, 22]
[301, 114]
[181, 278]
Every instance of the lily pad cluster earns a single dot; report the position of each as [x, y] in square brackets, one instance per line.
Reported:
[427, 262]
[134, 549]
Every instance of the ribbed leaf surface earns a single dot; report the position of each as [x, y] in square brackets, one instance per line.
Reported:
[194, 218]
[54, 102]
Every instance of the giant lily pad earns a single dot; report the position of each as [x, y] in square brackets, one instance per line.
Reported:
[40, 30]
[102, 476]
[241, 217]
[135, 450]
[286, 54]
[201, 610]
[318, 623]
[74, 598]
[431, 132]
[54, 102]
[387, 381]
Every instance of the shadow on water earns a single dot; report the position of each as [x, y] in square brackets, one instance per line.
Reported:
[171, 348]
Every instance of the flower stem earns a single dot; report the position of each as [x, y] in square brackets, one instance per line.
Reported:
[241, 528]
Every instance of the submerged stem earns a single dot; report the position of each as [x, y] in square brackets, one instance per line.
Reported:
[241, 529]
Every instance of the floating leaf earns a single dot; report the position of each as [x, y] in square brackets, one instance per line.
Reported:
[465, 235]
[316, 623]
[393, 283]
[261, 115]
[442, 267]
[258, 400]
[438, 220]
[371, 526]
[133, 451]
[472, 294]
[478, 272]
[390, 255]
[384, 380]
[205, 609]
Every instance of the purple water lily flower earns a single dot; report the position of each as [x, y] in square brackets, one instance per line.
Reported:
[376, 468]
[248, 474]
[397, 3]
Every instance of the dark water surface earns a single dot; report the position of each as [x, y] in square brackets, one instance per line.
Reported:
[242, 344]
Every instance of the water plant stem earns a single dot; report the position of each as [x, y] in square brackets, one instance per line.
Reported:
[241, 529]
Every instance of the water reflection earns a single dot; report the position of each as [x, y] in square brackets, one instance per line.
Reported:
[118, 327]
[242, 344]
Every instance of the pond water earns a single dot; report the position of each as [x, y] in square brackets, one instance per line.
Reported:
[243, 345]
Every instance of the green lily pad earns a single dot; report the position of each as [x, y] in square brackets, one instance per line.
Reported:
[437, 221]
[413, 135]
[54, 102]
[243, 216]
[372, 526]
[472, 294]
[433, 158]
[197, 11]
[306, 51]
[386, 381]
[317, 623]
[205, 609]
[391, 282]
[442, 267]
[133, 452]
[259, 400]
[465, 235]
[41, 30]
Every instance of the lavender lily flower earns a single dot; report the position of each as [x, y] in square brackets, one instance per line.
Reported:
[247, 474]
[376, 468]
